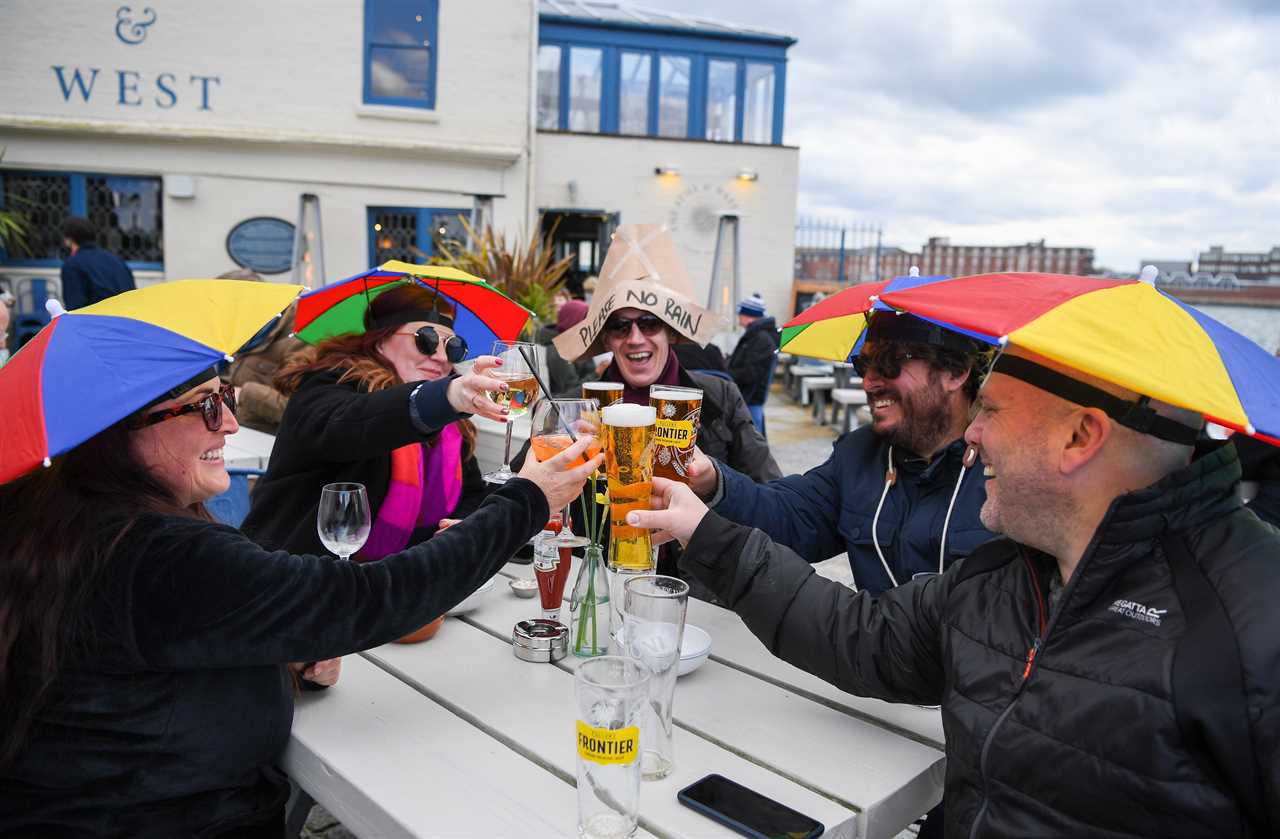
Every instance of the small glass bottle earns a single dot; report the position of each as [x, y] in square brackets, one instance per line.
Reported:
[589, 613]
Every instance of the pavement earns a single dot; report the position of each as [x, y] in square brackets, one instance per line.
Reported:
[797, 444]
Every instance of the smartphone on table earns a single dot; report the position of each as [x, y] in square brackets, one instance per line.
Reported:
[747, 811]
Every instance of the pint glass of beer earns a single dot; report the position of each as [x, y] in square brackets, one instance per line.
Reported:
[628, 463]
[678, 410]
[606, 393]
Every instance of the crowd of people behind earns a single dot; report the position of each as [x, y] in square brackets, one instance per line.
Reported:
[1110, 571]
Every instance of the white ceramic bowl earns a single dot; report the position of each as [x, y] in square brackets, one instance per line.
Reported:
[475, 599]
[695, 646]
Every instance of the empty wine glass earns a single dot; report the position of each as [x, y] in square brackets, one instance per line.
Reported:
[343, 520]
[519, 363]
[556, 424]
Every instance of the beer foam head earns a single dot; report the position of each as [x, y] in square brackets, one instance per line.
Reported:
[629, 416]
[674, 393]
[602, 385]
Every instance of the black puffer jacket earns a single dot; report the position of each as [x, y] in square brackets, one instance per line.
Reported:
[1080, 739]
[751, 364]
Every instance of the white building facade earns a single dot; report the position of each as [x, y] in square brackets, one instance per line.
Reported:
[312, 140]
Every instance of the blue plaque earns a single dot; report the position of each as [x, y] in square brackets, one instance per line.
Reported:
[262, 244]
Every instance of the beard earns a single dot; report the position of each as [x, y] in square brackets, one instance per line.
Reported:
[926, 420]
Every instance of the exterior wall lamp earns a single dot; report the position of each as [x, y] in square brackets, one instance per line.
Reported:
[748, 175]
[660, 171]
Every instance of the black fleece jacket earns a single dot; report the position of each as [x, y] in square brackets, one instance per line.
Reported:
[167, 723]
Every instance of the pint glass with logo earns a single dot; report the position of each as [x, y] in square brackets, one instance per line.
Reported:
[611, 694]
[628, 463]
[676, 429]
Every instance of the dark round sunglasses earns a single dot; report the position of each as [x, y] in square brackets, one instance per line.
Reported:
[210, 409]
[619, 326]
[428, 341]
[886, 361]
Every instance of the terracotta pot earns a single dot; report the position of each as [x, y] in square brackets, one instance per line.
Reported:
[419, 635]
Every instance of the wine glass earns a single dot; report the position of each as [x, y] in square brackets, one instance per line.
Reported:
[343, 520]
[519, 364]
[556, 424]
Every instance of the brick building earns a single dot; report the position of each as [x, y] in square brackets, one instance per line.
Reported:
[939, 256]
[1255, 267]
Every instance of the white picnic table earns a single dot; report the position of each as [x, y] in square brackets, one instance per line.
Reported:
[457, 737]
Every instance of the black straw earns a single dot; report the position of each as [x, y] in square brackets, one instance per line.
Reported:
[533, 368]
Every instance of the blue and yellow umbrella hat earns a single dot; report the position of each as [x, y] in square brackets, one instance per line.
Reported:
[92, 367]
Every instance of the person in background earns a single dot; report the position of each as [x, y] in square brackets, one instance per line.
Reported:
[1106, 668]
[259, 405]
[143, 682]
[6, 311]
[90, 273]
[563, 378]
[356, 414]
[751, 363]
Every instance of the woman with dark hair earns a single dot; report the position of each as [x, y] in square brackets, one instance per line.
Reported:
[350, 418]
[143, 691]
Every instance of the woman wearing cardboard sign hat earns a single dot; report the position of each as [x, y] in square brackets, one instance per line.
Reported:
[644, 305]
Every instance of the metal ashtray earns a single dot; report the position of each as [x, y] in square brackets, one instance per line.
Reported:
[540, 640]
[523, 587]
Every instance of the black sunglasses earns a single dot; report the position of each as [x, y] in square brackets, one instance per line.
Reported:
[428, 341]
[210, 409]
[619, 326]
[886, 361]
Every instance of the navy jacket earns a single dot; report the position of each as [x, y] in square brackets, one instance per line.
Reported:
[830, 508]
[92, 274]
[752, 361]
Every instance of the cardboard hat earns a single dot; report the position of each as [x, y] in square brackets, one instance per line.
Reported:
[643, 270]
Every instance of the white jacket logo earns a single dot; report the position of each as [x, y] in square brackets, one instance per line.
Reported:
[1138, 612]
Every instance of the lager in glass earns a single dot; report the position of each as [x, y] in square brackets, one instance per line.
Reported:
[628, 462]
[606, 393]
[678, 410]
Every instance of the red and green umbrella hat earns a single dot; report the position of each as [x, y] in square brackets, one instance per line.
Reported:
[483, 313]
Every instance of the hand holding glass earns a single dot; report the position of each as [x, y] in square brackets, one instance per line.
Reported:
[519, 363]
[556, 424]
[343, 519]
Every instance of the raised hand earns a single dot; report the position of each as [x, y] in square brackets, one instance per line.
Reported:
[467, 392]
[677, 512]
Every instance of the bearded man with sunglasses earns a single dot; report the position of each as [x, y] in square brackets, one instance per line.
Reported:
[901, 496]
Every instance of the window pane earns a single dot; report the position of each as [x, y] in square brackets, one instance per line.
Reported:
[548, 87]
[633, 94]
[447, 225]
[401, 72]
[126, 212]
[397, 236]
[584, 88]
[757, 124]
[722, 89]
[44, 200]
[673, 93]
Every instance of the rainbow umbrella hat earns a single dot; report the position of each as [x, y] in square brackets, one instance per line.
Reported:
[1127, 332]
[484, 314]
[834, 328]
[92, 367]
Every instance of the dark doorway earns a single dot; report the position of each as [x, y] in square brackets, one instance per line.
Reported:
[583, 234]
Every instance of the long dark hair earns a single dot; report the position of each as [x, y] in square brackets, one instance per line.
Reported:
[60, 527]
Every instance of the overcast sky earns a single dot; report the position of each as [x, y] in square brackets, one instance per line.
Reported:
[1141, 129]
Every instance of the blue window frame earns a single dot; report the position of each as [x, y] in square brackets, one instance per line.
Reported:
[128, 212]
[727, 88]
[400, 51]
[411, 234]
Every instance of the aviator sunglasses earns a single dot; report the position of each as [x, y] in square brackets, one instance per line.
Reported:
[886, 361]
[619, 326]
[210, 409]
[428, 341]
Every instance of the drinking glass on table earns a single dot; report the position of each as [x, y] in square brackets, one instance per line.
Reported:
[611, 694]
[653, 611]
[343, 519]
[556, 424]
[519, 366]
